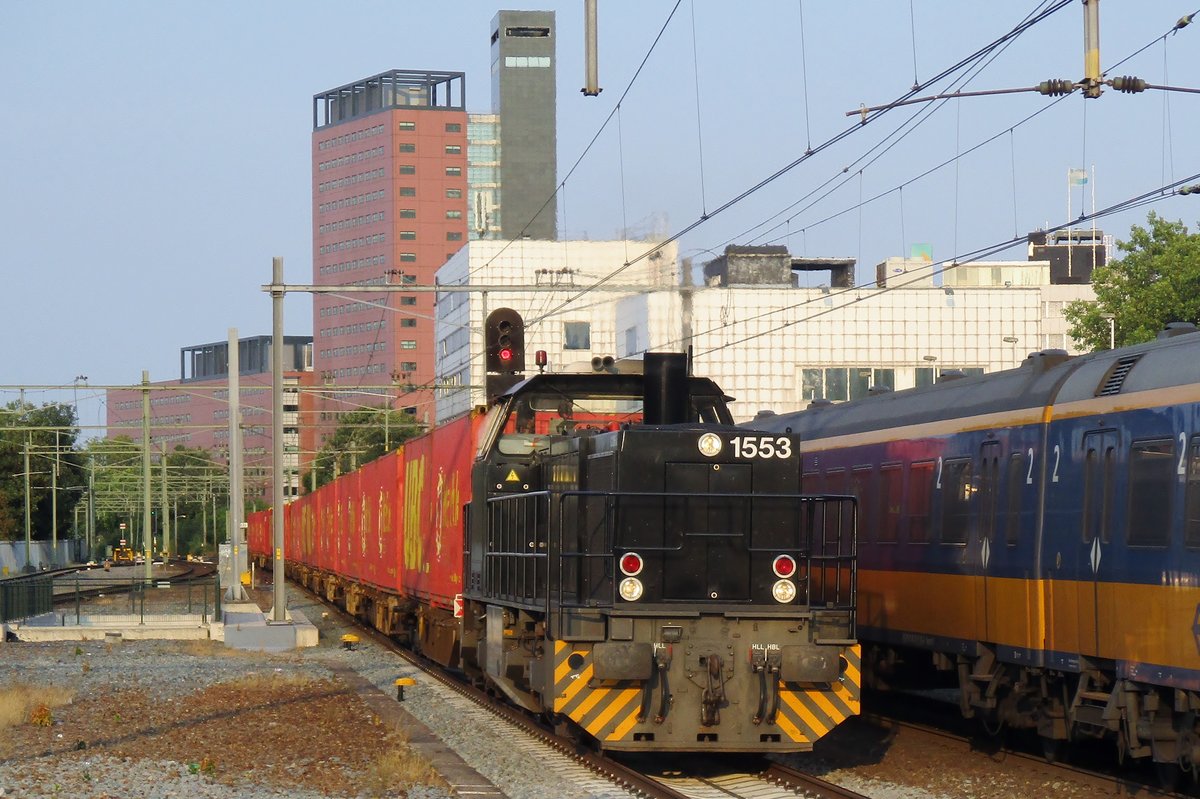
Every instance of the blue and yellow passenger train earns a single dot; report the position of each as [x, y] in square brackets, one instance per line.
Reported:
[1035, 532]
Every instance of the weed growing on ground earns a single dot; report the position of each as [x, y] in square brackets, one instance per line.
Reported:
[17, 703]
[400, 768]
[40, 716]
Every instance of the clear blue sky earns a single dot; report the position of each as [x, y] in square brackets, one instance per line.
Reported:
[156, 155]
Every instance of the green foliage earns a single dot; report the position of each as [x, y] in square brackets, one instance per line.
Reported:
[1156, 282]
[47, 429]
[193, 477]
[361, 436]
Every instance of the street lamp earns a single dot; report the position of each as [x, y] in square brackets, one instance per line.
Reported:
[1112, 329]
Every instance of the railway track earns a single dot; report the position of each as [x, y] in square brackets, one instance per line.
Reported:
[1104, 782]
[749, 777]
[73, 584]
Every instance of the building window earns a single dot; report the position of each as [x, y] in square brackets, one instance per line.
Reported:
[408, 366]
[454, 235]
[454, 214]
[408, 147]
[408, 323]
[408, 278]
[453, 171]
[408, 126]
[408, 257]
[408, 169]
[453, 194]
[409, 235]
[453, 127]
[453, 149]
[408, 213]
[408, 191]
[577, 335]
[408, 299]
[408, 344]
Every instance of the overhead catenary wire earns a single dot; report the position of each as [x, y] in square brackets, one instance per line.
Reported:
[920, 274]
[982, 52]
[787, 222]
[877, 150]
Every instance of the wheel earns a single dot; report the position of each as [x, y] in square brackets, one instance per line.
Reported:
[1168, 775]
[1051, 748]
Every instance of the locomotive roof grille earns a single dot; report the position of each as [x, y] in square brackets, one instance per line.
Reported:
[1116, 375]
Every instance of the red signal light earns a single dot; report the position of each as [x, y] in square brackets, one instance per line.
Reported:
[506, 354]
[784, 566]
[631, 564]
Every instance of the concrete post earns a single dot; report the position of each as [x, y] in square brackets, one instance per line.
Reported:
[280, 601]
[147, 531]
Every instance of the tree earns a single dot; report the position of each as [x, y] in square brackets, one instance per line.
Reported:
[50, 432]
[361, 436]
[193, 478]
[1158, 281]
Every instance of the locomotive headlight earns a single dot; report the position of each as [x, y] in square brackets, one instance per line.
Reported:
[784, 591]
[631, 589]
[709, 445]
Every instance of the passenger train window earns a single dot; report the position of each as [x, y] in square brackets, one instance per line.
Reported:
[890, 495]
[835, 481]
[862, 486]
[1012, 484]
[1191, 519]
[1151, 480]
[956, 500]
[920, 488]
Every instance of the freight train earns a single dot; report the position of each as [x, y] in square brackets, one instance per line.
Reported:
[608, 550]
[1035, 534]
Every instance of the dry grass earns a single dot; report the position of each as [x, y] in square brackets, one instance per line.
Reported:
[260, 681]
[400, 768]
[17, 702]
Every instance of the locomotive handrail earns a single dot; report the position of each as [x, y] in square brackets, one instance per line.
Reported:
[526, 562]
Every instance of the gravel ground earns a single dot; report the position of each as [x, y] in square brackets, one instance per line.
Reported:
[196, 719]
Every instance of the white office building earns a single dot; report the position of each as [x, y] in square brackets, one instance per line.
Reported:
[768, 343]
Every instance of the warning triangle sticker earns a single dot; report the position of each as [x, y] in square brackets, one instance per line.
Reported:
[512, 477]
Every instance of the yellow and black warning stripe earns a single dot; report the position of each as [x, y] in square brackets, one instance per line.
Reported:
[808, 713]
[608, 710]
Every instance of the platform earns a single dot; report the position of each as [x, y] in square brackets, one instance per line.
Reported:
[244, 626]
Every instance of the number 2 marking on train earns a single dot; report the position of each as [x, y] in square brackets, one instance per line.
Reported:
[1057, 458]
[1029, 476]
[1182, 467]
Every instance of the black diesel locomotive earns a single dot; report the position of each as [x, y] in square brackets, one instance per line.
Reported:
[646, 572]
[606, 549]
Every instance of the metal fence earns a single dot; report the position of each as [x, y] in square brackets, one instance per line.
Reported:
[91, 597]
[23, 597]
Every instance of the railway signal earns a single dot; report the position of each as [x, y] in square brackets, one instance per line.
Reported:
[505, 332]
